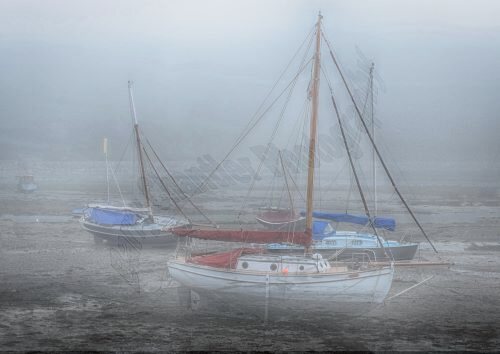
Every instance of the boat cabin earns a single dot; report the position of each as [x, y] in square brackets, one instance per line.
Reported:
[26, 179]
[282, 264]
[26, 183]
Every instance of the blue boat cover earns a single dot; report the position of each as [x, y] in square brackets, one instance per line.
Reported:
[110, 217]
[379, 222]
[319, 227]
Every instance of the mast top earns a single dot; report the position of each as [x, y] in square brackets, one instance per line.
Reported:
[320, 17]
[131, 99]
[139, 148]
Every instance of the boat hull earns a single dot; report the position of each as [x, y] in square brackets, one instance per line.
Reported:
[140, 236]
[397, 253]
[27, 187]
[324, 289]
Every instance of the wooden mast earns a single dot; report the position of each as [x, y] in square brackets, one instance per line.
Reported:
[374, 164]
[312, 134]
[139, 148]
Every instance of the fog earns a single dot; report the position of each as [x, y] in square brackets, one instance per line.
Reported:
[201, 68]
[77, 276]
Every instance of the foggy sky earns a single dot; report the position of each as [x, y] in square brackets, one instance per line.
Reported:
[201, 68]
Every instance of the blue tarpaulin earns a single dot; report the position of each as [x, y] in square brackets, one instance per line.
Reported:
[379, 222]
[319, 229]
[110, 217]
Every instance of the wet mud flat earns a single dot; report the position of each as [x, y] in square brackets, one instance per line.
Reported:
[60, 291]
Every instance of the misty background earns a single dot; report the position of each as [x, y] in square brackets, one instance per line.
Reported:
[201, 68]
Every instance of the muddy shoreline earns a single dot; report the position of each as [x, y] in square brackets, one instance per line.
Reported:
[60, 291]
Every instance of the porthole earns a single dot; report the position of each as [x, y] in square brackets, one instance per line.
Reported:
[301, 267]
[273, 267]
[244, 265]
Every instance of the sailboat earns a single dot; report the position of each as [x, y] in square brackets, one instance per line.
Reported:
[26, 184]
[342, 244]
[249, 273]
[124, 224]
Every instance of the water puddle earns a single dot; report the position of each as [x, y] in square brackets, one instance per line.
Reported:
[37, 218]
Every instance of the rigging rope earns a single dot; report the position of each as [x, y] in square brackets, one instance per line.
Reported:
[118, 186]
[367, 211]
[249, 127]
[375, 146]
[177, 185]
[164, 186]
[286, 182]
[263, 158]
[302, 66]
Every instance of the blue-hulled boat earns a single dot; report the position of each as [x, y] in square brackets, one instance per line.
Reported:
[348, 244]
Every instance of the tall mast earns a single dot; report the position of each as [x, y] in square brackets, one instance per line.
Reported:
[372, 68]
[312, 133]
[105, 150]
[384, 166]
[139, 148]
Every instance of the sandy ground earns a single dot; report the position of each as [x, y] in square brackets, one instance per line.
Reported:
[60, 291]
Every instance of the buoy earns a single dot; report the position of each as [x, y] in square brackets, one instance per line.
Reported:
[285, 271]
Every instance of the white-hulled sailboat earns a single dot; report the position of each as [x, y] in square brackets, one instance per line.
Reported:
[308, 278]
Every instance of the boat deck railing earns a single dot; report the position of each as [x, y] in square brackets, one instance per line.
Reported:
[357, 261]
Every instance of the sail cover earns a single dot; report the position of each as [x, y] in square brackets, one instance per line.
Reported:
[379, 222]
[300, 238]
[110, 217]
[319, 227]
